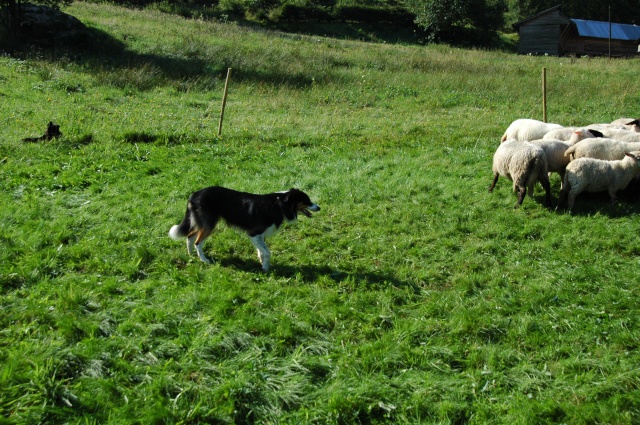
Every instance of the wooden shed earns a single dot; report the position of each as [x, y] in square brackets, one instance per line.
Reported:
[550, 32]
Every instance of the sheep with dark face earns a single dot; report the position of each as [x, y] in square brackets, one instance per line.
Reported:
[596, 175]
[523, 163]
[572, 134]
[620, 134]
[631, 124]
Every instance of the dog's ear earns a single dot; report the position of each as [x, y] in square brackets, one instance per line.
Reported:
[288, 194]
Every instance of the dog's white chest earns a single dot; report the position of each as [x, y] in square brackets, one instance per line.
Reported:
[271, 230]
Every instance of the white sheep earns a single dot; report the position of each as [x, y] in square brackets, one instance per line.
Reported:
[525, 129]
[601, 148]
[564, 133]
[555, 150]
[630, 123]
[524, 164]
[627, 136]
[604, 125]
[572, 134]
[618, 134]
[595, 175]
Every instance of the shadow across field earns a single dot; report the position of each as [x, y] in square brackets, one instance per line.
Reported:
[312, 273]
[100, 52]
[103, 51]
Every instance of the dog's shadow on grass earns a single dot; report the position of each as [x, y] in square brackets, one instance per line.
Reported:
[309, 274]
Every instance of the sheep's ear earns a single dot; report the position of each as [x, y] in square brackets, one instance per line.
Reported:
[596, 133]
[634, 122]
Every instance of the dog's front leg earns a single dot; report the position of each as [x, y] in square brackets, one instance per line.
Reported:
[263, 252]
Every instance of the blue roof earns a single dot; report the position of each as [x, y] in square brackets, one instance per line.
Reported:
[598, 29]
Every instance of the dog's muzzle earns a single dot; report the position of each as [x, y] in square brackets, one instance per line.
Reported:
[307, 211]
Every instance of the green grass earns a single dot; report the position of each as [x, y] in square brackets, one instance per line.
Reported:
[414, 296]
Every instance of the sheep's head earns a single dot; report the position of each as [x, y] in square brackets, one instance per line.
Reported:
[635, 155]
[584, 133]
[633, 126]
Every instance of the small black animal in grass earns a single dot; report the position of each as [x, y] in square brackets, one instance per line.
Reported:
[52, 131]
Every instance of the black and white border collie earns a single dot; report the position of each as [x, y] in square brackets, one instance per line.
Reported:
[260, 216]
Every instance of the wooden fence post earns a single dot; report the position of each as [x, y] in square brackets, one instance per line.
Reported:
[224, 101]
[544, 94]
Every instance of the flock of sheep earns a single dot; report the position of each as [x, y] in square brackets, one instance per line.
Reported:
[594, 158]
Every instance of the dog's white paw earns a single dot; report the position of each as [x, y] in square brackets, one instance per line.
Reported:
[201, 254]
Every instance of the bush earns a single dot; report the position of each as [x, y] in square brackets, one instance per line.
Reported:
[260, 8]
[440, 20]
[235, 9]
[304, 13]
[374, 14]
[186, 10]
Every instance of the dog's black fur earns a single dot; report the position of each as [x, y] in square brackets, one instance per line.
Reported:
[51, 132]
[259, 216]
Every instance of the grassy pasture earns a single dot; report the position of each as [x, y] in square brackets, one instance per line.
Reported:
[414, 296]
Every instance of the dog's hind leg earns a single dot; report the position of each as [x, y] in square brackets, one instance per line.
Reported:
[200, 236]
[191, 240]
[263, 252]
[201, 254]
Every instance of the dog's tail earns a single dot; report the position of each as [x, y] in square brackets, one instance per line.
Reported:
[181, 230]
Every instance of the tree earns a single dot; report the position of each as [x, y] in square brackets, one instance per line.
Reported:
[622, 11]
[442, 20]
[11, 15]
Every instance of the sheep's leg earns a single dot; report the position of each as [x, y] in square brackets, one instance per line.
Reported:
[572, 197]
[564, 191]
[613, 199]
[562, 198]
[495, 180]
[530, 189]
[544, 181]
[521, 194]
